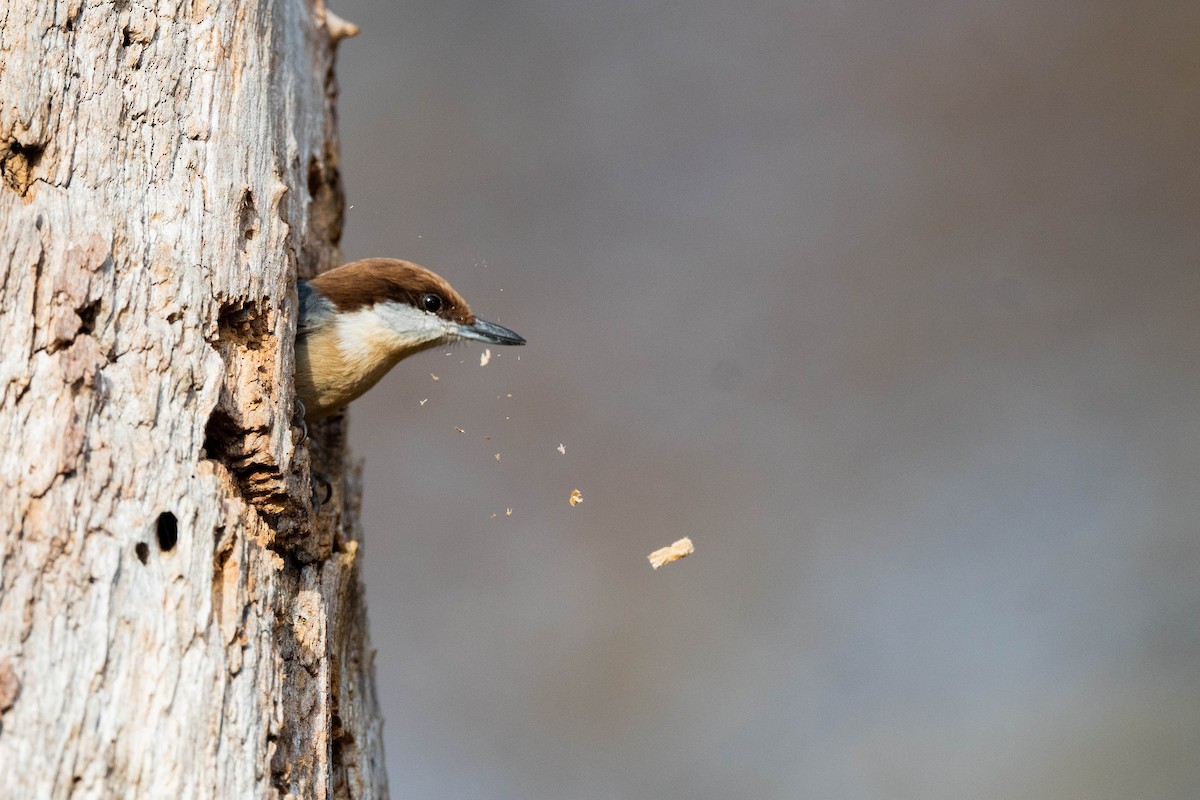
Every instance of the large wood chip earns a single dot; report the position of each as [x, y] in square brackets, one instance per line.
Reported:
[666, 555]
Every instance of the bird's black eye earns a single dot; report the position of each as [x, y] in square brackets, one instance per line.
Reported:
[431, 303]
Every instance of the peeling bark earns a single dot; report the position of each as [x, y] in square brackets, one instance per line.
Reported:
[175, 620]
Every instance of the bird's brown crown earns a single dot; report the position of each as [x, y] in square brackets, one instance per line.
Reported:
[361, 284]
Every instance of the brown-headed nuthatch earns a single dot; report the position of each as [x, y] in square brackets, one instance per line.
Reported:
[359, 320]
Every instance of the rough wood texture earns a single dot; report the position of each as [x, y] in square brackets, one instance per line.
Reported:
[174, 621]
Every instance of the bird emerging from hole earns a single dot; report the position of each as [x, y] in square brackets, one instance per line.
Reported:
[359, 320]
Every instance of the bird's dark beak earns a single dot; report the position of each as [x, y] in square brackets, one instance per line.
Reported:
[483, 331]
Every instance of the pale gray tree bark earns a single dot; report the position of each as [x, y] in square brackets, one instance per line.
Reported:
[175, 621]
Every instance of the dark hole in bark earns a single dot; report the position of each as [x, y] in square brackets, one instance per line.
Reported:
[87, 317]
[248, 216]
[143, 552]
[218, 434]
[31, 153]
[18, 162]
[316, 177]
[168, 531]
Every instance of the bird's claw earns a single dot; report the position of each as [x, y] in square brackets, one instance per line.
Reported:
[298, 419]
[319, 479]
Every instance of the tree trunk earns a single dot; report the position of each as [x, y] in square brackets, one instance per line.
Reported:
[175, 620]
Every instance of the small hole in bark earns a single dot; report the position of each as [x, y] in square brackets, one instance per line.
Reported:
[218, 434]
[87, 317]
[143, 552]
[168, 531]
[32, 153]
[316, 176]
[248, 216]
[18, 162]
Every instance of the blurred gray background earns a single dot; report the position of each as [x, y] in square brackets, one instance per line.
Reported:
[891, 307]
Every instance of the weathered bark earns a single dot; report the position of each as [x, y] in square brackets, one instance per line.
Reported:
[174, 619]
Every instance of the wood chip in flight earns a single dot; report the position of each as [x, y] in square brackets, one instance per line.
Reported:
[666, 555]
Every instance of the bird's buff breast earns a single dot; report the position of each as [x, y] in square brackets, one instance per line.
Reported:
[335, 365]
